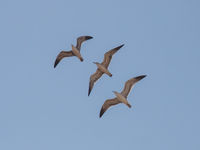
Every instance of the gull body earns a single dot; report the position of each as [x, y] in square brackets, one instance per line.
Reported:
[77, 53]
[74, 52]
[103, 69]
[121, 97]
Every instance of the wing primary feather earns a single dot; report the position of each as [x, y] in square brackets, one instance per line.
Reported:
[129, 84]
[81, 39]
[108, 56]
[61, 55]
[107, 104]
[93, 78]
[91, 84]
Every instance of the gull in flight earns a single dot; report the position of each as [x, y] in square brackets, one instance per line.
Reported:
[121, 97]
[102, 67]
[74, 52]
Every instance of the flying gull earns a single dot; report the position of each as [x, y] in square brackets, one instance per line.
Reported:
[74, 52]
[102, 67]
[121, 97]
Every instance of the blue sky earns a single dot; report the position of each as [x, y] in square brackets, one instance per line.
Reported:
[46, 108]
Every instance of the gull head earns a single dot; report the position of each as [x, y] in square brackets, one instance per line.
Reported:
[72, 46]
[115, 92]
[96, 63]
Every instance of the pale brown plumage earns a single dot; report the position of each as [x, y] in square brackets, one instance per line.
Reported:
[106, 61]
[63, 54]
[128, 85]
[93, 78]
[108, 103]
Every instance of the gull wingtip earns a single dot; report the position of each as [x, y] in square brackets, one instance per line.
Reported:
[55, 64]
[89, 37]
[120, 46]
[140, 77]
[101, 113]
[89, 92]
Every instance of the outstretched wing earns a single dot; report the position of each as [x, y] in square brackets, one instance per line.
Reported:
[80, 40]
[93, 78]
[61, 55]
[129, 84]
[108, 56]
[108, 103]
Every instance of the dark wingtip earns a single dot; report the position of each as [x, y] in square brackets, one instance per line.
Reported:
[101, 113]
[88, 37]
[55, 64]
[89, 92]
[120, 46]
[140, 77]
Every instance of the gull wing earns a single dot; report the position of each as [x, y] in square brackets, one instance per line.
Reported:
[108, 103]
[61, 55]
[108, 56]
[130, 83]
[93, 78]
[80, 40]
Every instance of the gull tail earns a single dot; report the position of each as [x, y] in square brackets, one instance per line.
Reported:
[110, 75]
[81, 59]
[129, 105]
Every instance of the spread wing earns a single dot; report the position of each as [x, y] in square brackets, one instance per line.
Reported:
[108, 103]
[61, 55]
[108, 56]
[80, 40]
[129, 84]
[93, 78]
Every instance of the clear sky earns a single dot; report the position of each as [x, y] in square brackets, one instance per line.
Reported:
[42, 108]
